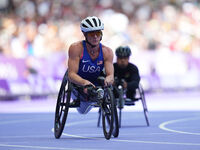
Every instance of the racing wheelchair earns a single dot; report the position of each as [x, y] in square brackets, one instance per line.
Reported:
[105, 102]
[122, 101]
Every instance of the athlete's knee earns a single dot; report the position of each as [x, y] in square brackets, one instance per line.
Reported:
[84, 108]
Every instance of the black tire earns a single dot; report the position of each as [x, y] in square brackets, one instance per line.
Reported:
[108, 111]
[116, 123]
[120, 117]
[144, 105]
[62, 107]
[120, 105]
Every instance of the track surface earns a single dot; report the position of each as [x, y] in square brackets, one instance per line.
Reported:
[30, 126]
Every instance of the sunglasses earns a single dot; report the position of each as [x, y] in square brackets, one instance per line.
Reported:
[93, 33]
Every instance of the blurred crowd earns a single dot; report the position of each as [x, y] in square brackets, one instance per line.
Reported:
[164, 35]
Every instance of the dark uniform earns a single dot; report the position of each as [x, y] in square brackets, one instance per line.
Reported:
[131, 75]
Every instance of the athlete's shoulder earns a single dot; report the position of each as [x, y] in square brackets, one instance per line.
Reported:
[107, 50]
[132, 66]
[77, 44]
[76, 48]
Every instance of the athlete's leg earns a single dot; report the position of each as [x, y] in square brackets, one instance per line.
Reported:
[84, 106]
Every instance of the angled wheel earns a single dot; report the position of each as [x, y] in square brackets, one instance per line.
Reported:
[109, 115]
[144, 104]
[116, 123]
[62, 107]
[120, 105]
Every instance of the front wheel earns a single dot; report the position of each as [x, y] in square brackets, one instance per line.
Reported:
[116, 123]
[109, 115]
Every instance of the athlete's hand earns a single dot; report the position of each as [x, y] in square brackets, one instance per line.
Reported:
[125, 85]
[108, 80]
[85, 84]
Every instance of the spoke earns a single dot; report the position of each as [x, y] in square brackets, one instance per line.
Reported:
[62, 104]
[60, 114]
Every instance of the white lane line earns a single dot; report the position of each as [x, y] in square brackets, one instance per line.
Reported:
[155, 142]
[164, 124]
[40, 147]
[134, 141]
[118, 140]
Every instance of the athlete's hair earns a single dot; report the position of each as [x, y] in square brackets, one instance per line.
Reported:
[123, 51]
[91, 23]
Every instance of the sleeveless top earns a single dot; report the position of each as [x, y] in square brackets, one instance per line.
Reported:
[90, 69]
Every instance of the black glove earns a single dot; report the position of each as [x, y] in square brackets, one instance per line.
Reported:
[91, 90]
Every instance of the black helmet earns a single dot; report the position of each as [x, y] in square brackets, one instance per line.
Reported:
[123, 51]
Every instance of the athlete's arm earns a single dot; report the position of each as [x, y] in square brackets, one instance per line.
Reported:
[108, 64]
[75, 51]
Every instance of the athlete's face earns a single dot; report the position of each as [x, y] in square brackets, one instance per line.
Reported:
[94, 37]
[122, 62]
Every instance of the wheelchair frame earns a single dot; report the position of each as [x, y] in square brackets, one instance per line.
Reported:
[121, 101]
[107, 104]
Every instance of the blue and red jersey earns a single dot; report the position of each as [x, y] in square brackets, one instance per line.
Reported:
[90, 69]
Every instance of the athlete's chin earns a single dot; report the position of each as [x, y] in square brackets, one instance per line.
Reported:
[95, 42]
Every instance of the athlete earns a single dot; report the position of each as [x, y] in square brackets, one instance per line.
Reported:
[126, 73]
[87, 59]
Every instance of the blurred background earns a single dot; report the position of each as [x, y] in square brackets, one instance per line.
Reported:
[164, 36]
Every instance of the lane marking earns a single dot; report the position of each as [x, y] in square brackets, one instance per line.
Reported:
[164, 124]
[118, 140]
[155, 142]
[42, 147]
[133, 141]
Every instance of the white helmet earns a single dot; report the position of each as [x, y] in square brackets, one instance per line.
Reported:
[91, 24]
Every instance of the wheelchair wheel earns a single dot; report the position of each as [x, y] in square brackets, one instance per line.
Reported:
[62, 107]
[144, 104]
[120, 117]
[116, 123]
[120, 105]
[109, 115]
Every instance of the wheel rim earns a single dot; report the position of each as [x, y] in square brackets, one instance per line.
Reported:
[108, 114]
[62, 108]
